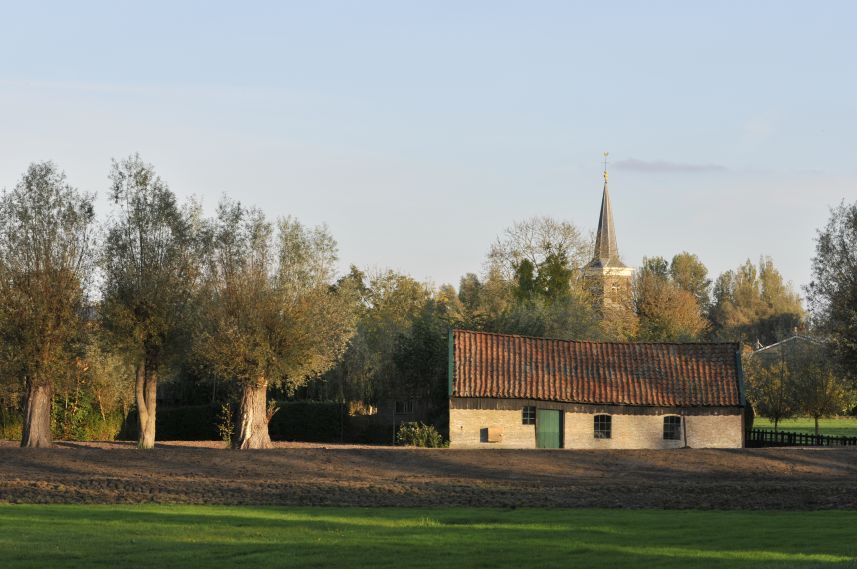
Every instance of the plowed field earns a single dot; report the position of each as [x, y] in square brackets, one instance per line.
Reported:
[311, 475]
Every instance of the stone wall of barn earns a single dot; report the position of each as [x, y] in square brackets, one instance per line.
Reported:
[468, 428]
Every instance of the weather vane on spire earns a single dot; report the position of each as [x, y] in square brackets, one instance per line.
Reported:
[605, 166]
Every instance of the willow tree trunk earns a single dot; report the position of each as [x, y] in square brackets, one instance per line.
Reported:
[253, 417]
[147, 391]
[37, 416]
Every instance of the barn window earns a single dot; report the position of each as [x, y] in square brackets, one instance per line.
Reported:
[603, 426]
[672, 428]
[528, 416]
[404, 407]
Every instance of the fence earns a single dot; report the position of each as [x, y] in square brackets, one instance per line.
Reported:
[764, 438]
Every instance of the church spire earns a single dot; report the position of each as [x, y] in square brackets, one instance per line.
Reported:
[606, 249]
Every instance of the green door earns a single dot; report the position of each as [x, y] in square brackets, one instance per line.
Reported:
[548, 432]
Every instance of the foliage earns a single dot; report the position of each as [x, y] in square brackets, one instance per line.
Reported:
[150, 268]
[536, 240]
[271, 312]
[11, 425]
[421, 356]
[571, 318]
[797, 378]
[754, 305]
[419, 435]
[388, 304]
[532, 286]
[771, 389]
[149, 265]
[688, 273]
[822, 391]
[667, 312]
[45, 265]
[180, 536]
[109, 378]
[833, 290]
[226, 424]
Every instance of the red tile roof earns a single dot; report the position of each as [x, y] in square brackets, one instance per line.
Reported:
[607, 373]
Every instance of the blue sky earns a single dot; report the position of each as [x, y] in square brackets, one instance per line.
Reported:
[419, 130]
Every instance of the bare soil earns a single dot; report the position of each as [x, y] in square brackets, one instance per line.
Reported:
[299, 474]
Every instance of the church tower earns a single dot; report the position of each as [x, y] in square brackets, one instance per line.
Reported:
[607, 278]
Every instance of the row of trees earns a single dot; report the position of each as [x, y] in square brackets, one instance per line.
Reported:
[797, 378]
[534, 284]
[247, 303]
[236, 296]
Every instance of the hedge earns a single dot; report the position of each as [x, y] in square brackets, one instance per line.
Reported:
[295, 421]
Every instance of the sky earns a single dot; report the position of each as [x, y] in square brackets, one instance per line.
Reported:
[418, 131]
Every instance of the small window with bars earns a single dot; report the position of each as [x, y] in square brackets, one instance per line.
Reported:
[405, 407]
[528, 416]
[672, 428]
[603, 426]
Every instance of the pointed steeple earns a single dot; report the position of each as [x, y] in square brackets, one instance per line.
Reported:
[606, 249]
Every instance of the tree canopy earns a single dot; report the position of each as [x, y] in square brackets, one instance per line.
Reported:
[150, 268]
[273, 314]
[753, 304]
[833, 290]
[45, 264]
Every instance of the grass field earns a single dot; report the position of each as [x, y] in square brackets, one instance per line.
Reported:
[840, 427]
[217, 536]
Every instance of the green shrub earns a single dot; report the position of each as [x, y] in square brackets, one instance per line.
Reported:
[419, 435]
[11, 425]
[295, 421]
[226, 424]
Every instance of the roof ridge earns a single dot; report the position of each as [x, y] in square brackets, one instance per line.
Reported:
[612, 342]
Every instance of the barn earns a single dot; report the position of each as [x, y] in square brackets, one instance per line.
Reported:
[509, 391]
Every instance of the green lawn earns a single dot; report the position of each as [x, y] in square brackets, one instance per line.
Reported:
[840, 427]
[169, 537]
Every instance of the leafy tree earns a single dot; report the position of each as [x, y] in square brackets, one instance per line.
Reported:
[833, 290]
[273, 313]
[421, 360]
[571, 317]
[45, 265]
[821, 391]
[771, 389]
[479, 303]
[389, 304]
[753, 304]
[551, 279]
[525, 280]
[555, 276]
[150, 270]
[534, 240]
[470, 293]
[656, 267]
[688, 273]
[666, 311]
[111, 379]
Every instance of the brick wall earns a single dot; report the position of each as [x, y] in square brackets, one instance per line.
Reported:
[466, 430]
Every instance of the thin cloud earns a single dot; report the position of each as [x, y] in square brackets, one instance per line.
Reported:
[634, 165]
